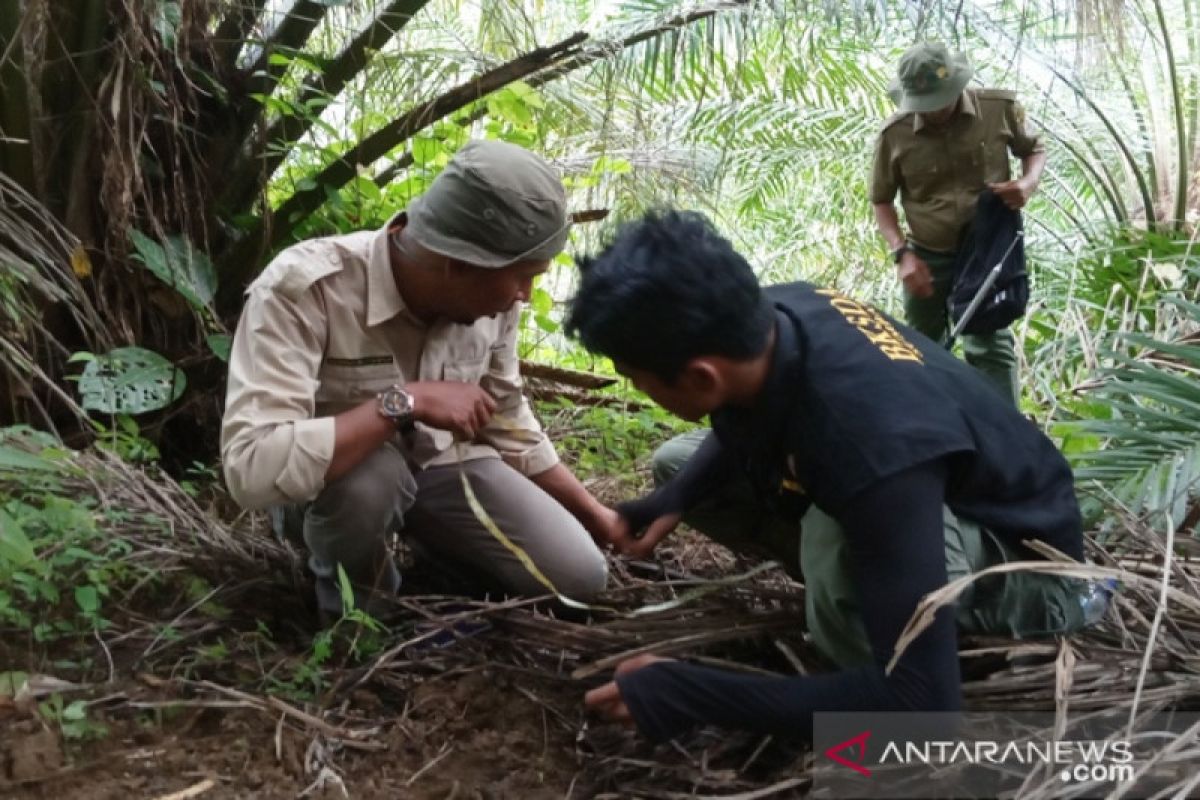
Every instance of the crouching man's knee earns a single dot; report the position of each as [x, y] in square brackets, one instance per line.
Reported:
[586, 577]
[674, 453]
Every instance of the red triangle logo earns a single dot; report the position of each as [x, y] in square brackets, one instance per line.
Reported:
[858, 748]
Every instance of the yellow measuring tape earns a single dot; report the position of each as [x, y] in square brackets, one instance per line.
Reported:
[490, 525]
[527, 561]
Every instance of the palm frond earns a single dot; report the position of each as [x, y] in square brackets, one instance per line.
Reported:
[1150, 457]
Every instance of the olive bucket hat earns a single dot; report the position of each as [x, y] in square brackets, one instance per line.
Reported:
[929, 77]
[493, 205]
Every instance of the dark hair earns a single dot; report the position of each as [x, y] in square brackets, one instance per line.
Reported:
[668, 289]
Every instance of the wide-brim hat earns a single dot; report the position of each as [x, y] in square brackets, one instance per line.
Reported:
[493, 205]
[929, 77]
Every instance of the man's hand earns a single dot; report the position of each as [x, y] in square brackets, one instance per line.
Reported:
[915, 275]
[1014, 193]
[606, 700]
[624, 541]
[461, 408]
[606, 525]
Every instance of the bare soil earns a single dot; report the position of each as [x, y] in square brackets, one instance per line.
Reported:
[495, 713]
[473, 734]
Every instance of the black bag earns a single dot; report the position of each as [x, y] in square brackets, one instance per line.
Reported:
[996, 237]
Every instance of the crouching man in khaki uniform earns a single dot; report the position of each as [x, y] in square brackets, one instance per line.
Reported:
[367, 366]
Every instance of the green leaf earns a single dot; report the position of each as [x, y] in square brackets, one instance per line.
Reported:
[130, 380]
[11, 683]
[220, 344]
[167, 23]
[15, 547]
[425, 149]
[510, 108]
[410, 187]
[88, 599]
[452, 134]
[14, 459]
[526, 94]
[541, 301]
[347, 592]
[179, 265]
[366, 189]
[615, 166]
[75, 710]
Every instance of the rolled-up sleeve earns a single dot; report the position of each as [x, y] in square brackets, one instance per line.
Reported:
[273, 451]
[514, 430]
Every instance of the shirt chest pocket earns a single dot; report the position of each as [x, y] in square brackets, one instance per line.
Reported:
[924, 175]
[465, 369]
[354, 380]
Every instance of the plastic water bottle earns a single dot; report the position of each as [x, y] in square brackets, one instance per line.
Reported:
[1096, 598]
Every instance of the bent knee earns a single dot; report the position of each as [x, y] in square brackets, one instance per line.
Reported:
[672, 454]
[585, 578]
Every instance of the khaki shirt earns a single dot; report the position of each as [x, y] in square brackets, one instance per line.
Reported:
[325, 328]
[940, 172]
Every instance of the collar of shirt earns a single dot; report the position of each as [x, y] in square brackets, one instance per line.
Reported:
[383, 296]
[967, 107]
[760, 432]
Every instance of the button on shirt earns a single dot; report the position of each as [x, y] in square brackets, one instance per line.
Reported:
[325, 328]
[940, 171]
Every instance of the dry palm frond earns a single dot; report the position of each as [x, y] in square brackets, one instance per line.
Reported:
[41, 265]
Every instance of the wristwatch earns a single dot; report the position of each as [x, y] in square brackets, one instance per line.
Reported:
[899, 252]
[396, 404]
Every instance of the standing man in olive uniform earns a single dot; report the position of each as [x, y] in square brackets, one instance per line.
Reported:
[947, 144]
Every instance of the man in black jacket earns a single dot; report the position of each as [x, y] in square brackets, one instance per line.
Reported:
[898, 460]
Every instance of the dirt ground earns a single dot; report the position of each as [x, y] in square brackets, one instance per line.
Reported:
[474, 734]
[497, 714]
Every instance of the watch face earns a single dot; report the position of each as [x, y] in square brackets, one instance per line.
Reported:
[395, 403]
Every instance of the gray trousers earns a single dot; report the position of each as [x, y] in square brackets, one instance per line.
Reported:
[349, 521]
